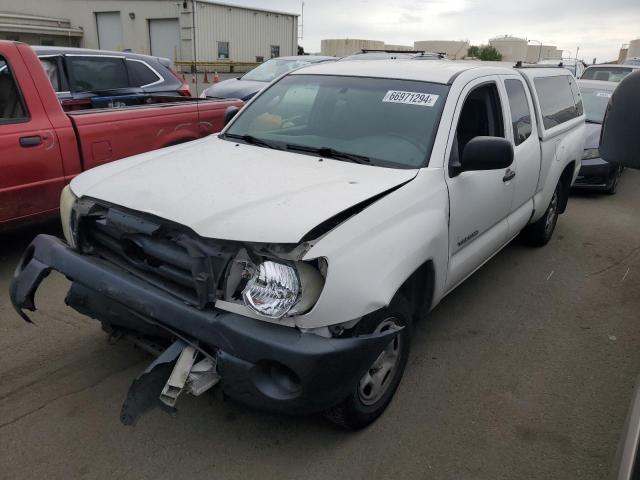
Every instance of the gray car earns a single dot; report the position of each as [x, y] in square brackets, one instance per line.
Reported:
[252, 82]
[595, 172]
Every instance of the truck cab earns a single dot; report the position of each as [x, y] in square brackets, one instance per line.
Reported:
[343, 203]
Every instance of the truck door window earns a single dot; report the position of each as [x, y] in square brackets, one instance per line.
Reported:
[556, 100]
[97, 73]
[577, 97]
[481, 115]
[520, 113]
[12, 109]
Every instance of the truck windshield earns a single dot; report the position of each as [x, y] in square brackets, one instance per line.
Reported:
[378, 121]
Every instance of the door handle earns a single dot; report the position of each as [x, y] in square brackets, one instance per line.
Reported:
[30, 141]
[508, 175]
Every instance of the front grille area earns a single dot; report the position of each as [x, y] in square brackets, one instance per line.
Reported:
[163, 254]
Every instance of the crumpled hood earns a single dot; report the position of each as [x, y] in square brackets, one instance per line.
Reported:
[233, 191]
[234, 88]
[592, 135]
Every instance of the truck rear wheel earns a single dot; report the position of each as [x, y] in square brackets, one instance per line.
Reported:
[539, 233]
[377, 386]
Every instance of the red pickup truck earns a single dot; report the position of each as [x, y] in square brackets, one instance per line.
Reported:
[42, 147]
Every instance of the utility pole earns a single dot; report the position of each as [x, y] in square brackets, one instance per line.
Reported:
[301, 36]
[539, 48]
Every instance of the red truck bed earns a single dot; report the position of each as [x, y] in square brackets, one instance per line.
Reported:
[42, 148]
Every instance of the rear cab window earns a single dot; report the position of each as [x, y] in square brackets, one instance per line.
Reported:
[558, 103]
[606, 74]
[12, 107]
[97, 73]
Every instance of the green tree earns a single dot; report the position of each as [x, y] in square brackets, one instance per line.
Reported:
[487, 52]
[474, 51]
[300, 50]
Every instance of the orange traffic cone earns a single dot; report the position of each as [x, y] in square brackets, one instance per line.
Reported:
[206, 79]
[216, 77]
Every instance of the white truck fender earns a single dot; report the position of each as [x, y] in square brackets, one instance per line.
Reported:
[371, 254]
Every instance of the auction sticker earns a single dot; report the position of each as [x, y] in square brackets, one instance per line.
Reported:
[603, 94]
[411, 98]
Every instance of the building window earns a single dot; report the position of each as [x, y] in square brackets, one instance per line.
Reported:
[259, 59]
[223, 50]
[275, 51]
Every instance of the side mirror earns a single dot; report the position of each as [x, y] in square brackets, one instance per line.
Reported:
[619, 139]
[486, 153]
[229, 113]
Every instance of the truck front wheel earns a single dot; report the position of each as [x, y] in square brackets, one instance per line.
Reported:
[539, 233]
[377, 386]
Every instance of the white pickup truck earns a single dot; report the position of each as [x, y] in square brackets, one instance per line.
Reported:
[288, 257]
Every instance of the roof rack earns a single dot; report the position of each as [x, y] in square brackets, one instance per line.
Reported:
[382, 50]
[519, 64]
[440, 55]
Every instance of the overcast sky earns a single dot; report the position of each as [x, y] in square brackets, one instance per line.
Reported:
[598, 27]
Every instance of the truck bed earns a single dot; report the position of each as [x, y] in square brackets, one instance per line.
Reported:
[109, 134]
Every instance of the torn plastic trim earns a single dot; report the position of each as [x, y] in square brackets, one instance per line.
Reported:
[144, 392]
[329, 224]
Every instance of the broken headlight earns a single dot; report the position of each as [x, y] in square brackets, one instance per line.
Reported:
[67, 201]
[276, 289]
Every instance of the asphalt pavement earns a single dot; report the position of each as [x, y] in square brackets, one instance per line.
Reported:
[523, 372]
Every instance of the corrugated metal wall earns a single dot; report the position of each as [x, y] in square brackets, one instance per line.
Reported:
[250, 33]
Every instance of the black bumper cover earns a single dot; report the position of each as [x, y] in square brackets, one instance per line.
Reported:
[595, 174]
[264, 365]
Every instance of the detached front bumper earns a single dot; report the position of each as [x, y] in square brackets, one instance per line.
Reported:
[261, 364]
[596, 174]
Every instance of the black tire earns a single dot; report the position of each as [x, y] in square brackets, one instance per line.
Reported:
[539, 233]
[361, 408]
[613, 184]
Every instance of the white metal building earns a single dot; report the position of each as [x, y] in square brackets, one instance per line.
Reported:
[634, 49]
[159, 27]
[398, 48]
[542, 52]
[341, 47]
[454, 49]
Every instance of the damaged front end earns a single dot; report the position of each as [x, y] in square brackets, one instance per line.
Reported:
[224, 310]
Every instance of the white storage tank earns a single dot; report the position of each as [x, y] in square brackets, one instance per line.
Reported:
[541, 52]
[513, 49]
[455, 49]
[340, 47]
[634, 48]
[399, 48]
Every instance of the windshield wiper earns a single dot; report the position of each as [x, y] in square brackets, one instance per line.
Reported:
[591, 121]
[253, 140]
[331, 153]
